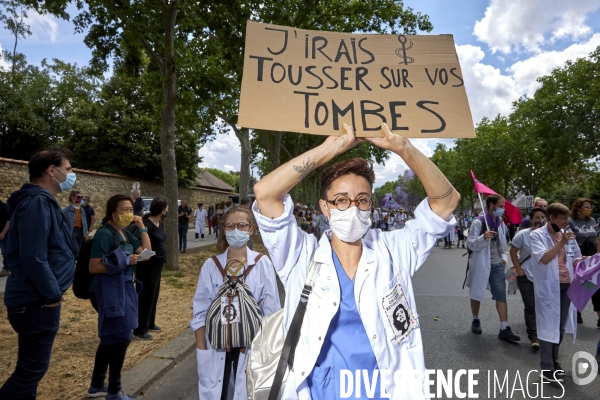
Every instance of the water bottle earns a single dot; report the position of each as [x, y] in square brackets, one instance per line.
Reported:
[570, 246]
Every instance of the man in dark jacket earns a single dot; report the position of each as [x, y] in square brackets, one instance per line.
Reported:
[41, 263]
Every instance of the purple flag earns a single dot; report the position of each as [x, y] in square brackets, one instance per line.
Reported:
[586, 281]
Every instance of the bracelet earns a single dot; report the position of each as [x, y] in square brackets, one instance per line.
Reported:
[143, 230]
[444, 195]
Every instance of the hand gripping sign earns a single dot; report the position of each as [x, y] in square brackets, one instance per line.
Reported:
[311, 82]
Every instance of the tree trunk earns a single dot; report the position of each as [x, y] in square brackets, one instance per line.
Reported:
[167, 140]
[243, 135]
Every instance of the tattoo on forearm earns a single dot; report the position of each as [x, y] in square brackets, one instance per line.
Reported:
[305, 168]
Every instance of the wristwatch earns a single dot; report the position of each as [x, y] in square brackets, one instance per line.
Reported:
[143, 230]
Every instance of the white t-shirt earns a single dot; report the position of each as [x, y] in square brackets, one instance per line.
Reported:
[521, 242]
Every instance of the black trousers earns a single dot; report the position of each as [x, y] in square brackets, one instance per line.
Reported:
[528, 296]
[149, 272]
[108, 356]
[231, 362]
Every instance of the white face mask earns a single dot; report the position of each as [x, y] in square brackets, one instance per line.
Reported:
[351, 224]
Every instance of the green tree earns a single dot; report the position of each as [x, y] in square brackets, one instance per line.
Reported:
[231, 178]
[380, 192]
[13, 16]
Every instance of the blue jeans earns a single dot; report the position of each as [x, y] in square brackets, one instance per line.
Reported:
[498, 282]
[36, 326]
[183, 229]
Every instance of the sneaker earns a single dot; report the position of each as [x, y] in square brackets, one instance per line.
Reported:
[579, 319]
[183, 251]
[118, 396]
[4, 272]
[559, 370]
[97, 392]
[535, 344]
[145, 336]
[155, 328]
[476, 327]
[547, 376]
[195, 240]
[506, 334]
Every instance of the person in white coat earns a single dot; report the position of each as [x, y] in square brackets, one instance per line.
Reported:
[520, 254]
[200, 221]
[220, 373]
[487, 241]
[552, 271]
[361, 313]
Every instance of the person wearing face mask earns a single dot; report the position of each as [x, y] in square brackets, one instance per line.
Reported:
[113, 256]
[77, 219]
[363, 274]
[552, 271]
[520, 254]
[220, 370]
[585, 229]
[487, 241]
[537, 203]
[40, 257]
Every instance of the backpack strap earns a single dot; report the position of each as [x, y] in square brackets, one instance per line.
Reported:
[247, 270]
[218, 264]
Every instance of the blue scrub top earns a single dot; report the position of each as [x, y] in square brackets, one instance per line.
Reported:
[346, 346]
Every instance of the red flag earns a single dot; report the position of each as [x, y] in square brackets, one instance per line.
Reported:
[512, 212]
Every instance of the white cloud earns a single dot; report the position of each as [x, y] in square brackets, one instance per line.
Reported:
[223, 153]
[526, 25]
[43, 27]
[3, 64]
[489, 91]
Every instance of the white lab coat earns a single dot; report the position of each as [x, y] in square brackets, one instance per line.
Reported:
[480, 265]
[200, 222]
[388, 261]
[546, 282]
[211, 362]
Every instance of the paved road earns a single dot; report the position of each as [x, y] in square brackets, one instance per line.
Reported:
[449, 344]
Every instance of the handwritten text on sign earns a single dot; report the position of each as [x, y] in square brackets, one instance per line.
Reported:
[310, 81]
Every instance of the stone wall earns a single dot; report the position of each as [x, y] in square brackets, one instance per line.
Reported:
[101, 186]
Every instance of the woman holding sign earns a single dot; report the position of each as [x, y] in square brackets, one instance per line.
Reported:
[360, 270]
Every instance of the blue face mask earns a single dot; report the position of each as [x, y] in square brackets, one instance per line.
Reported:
[83, 202]
[498, 212]
[236, 238]
[68, 183]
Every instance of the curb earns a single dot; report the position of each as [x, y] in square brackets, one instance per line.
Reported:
[145, 374]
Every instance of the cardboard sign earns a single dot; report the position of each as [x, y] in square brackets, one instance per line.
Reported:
[311, 82]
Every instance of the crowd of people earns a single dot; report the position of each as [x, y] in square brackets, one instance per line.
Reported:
[320, 254]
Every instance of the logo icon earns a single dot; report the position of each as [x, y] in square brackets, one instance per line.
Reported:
[402, 52]
[584, 364]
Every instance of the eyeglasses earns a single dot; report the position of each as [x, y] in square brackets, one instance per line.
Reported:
[241, 226]
[79, 197]
[343, 202]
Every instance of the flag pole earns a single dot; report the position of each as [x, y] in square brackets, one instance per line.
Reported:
[484, 212]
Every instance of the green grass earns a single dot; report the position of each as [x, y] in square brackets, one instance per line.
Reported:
[175, 283]
[172, 274]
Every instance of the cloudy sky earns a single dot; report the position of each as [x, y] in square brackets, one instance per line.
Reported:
[503, 46]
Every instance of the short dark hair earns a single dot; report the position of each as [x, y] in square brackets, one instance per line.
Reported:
[536, 209]
[73, 193]
[43, 159]
[557, 209]
[355, 166]
[245, 200]
[492, 199]
[158, 205]
[112, 204]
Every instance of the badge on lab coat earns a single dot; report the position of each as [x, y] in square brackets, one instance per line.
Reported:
[230, 313]
[398, 313]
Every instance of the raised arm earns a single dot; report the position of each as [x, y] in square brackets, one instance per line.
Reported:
[443, 198]
[270, 190]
